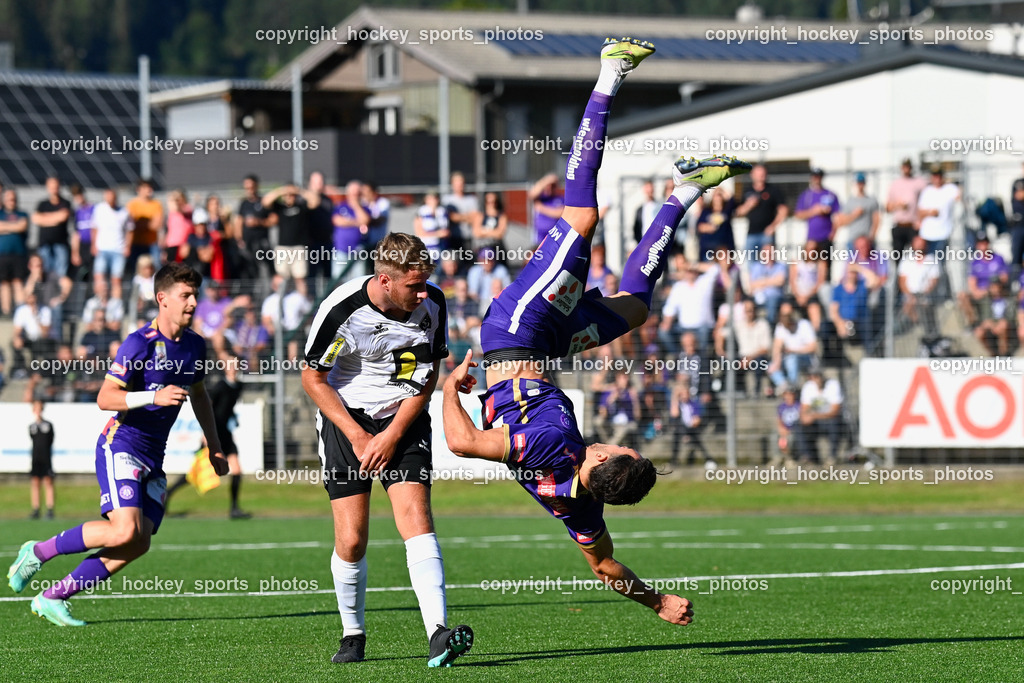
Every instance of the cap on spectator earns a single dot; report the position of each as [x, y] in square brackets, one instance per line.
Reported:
[486, 254]
[907, 162]
[860, 178]
[814, 370]
[816, 170]
[936, 169]
[199, 215]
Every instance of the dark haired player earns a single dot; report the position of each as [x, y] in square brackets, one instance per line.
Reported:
[545, 314]
[155, 370]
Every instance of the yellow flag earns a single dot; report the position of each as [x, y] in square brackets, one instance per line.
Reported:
[201, 474]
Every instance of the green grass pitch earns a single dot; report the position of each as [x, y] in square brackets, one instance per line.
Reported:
[886, 626]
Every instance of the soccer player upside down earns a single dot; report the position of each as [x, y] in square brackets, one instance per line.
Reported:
[529, 423]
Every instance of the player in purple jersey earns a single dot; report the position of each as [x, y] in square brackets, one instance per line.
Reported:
[545, 314]
[156, 369]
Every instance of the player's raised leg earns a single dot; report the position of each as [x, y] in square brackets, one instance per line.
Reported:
[647, 262]
[618, 58]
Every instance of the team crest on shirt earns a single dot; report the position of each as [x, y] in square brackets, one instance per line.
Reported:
[564, 292]
[584, 339]
[425, 323]
[126, 492]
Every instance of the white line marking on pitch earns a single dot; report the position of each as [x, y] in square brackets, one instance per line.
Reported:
[523, 582]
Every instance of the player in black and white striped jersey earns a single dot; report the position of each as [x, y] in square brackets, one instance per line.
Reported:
[372, 358]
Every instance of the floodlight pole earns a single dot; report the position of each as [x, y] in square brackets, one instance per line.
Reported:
[297, 170]
[145, 155]
[443, 135]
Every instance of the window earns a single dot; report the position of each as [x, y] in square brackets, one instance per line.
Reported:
[382, 64]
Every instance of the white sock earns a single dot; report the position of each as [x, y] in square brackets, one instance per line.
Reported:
[687, 194]
[426, 571]
[609, 81]
[350, 586]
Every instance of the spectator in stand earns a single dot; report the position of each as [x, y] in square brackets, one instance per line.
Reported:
[497, 287]
[986, 266]
[1020, 326]
[935, 207]
[248, 339]
[113, 308]
[753, 346]
[31, 333]
[251, 232]
[490, 226]
[143, 287]
[13, 252]
[147, 214]
[767, 282]
[849, 310]
[686, 411]
[821, 405]
[996, 314]
[463, 321]
[295, 306]
[764, 207]
[213, 314]
[51, 291]
[598, 271]
[218, 226]
[321, 225]
[290, 208]
[462, 211]
[787, 425]
[902, 204]
[446, 276]
[714, 227]
[202, 247]
[179, 225]
[618, 416]
[548, 203]
[481, 275]
[816, 205]
[793, 348]
[688, 307]
[722, 329]
[431, 225]
[1016, 225]
[646, 211]
[653, 397]
[111, 240]
[695, 369]
[728, 273]
[919, 275]
[81, 236]
[872, 267]
[807, 274]
[53, 216]
[351, 226]
[98, 336]
[862, 216]
[379, 209]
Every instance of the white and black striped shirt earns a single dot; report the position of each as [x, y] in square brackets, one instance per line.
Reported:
[375, 361]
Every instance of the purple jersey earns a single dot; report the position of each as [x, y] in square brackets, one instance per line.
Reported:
[543, 446]
[789, 414]
[985, 270]
[542, 223]
[83, 222]
[347, 237]
[818, 227]
[149, 361]
[210, 315]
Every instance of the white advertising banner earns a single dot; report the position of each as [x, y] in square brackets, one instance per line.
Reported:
[77, 426]
[947, 402]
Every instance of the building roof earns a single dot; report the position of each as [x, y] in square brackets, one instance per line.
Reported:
[981, 62]
[60, 79]
[473, 47]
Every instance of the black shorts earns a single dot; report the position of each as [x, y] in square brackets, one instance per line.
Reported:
[13, 267]
[41, 467]
[227, 441]
[410, 463]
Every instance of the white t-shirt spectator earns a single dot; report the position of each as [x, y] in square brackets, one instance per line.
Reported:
[112, 227]
[32, 322]
[295, 307]
[821, 399]
[145, 287]
[114, 308]
[919, 274]
[752, 337]
[479, 280]
[690, 303]
[944, 199]
[800, 338]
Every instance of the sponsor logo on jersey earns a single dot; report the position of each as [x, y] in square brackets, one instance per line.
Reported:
[332, 352]
[118, 369]
[104, 499]
[584, 339]
[519, 446]
[150, 334]
[564, 292]
[581, 538]
[379, 329]
[160, 351]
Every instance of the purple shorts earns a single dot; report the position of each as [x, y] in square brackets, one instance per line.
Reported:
[546, 309]
[127, 481]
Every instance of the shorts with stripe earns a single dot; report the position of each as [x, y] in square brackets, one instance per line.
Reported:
[126, 481]
[546, 309]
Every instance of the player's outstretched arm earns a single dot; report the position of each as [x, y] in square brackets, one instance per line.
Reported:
[620, 578]
[203, 409]
[464, 439]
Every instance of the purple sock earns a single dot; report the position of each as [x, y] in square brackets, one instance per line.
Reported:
[647, 262]
[587, 151]
[68, 542]
[84, 576]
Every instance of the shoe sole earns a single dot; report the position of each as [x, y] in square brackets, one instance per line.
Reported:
[459, 642]
[54, 620]
[691, 164]
[23, 553]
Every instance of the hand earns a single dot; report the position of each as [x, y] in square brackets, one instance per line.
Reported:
[220, 463]
[378, 452]
[170, 396]
[360, 443]
[460, 379]
[76, 259]
[675, 610]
